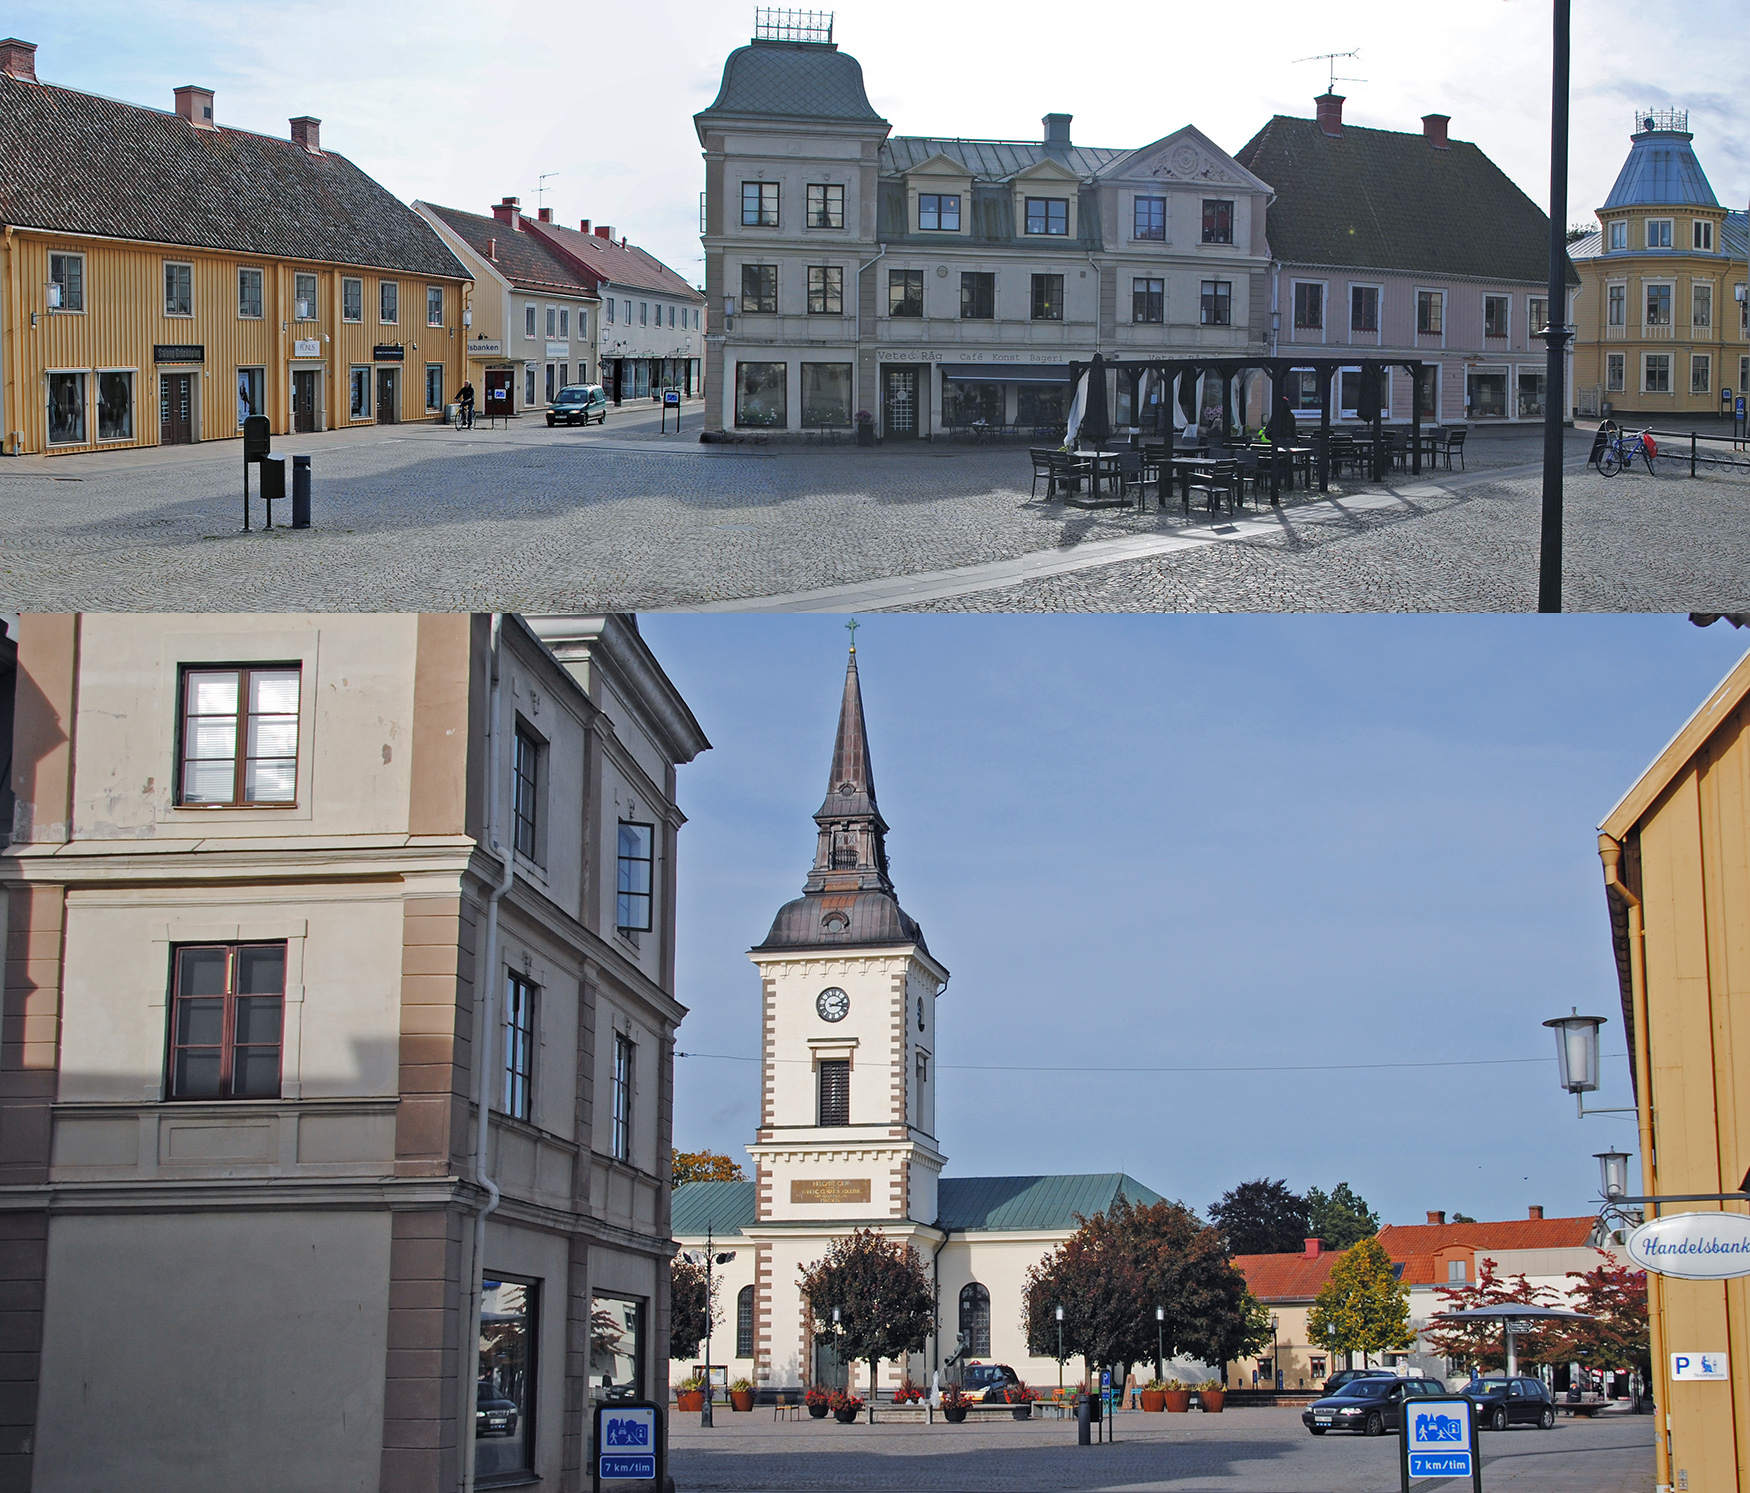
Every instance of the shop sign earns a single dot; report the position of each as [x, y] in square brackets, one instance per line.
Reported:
[558, 349]
[388, 353]
[830, 1190]
[307, 348]
[962, 355]
[485, 347]
[1705, 1366]
[1694, 1246]
[179, 352]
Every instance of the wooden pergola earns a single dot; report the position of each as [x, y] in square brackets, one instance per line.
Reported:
[1276, 370]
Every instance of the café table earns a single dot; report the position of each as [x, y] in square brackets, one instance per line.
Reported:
[1095, 467]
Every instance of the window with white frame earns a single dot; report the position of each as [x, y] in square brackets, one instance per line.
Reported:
[66, 409]
[178, 289]
[583, 321]
[388, 302]
[1309, 306]
[529, 385]
[115, 405]
[1363, 308]
[352, 299]
[434, 305]
[1430, 313]
[1615, 371]
[1537, 313]
[1656, 373]
[1616, 233]
[359, 390]
[1659, 304]
[1701, 304]
[434, 386]
[1496, 311]
[66, 282]
[565, 321]
[1658, 233]
[529, 313]
[644, 313]
[1616, 305]
[1701, 373]
[304, 297]
[249, 294]
[1702, 235]
[552, 321]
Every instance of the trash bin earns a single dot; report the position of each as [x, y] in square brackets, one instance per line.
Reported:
[273, 483]
[300, 492]
[449, 414]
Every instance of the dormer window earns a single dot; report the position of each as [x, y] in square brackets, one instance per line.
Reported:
[1658, 233]
[1617, 233]
[1048, 215]
[1703, 235]
[938, 212]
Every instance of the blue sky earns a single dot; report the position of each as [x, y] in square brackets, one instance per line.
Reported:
[1205, 843]
[449, 101]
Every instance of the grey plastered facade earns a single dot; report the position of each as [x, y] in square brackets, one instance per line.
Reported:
[796, 115]
[277, 1292]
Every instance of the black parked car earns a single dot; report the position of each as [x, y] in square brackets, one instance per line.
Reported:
[1348, 1376]
[1503, 1402]
[494, 1415]
[1372, 1406]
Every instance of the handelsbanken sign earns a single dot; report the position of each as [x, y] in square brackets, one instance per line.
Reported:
[1694, 1246]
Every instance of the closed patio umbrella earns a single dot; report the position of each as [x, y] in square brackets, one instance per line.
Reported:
[1077, 409]
[1096, 418]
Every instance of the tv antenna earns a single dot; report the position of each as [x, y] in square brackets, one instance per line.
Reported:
[541, 186]
[1331, 58]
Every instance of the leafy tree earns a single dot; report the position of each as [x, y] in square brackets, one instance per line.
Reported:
[1262, 1217]
[887, 1307]
[1340, 1218]
[1364, 1308]
[1462, 1218]
[1111, 1274]
[686, 1312]
[1483, 1345]
[705, 1166]
[1615, 1297]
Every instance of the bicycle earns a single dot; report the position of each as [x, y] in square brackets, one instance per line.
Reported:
[465, 415]
[1621, 450]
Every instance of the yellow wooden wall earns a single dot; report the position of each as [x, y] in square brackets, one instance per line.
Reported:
[124, 319]
[1695, 869]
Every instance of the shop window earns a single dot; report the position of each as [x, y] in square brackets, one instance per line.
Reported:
[1363, 308]
[621, 1094]
[1048, 298]
[504, 1405]
[1495, 313]
[759, 204]
[1430, 313]
[388, 302]
[251, 383]
[616, 1348]
[178, 289]
[1148, 301]
[434, 305]
[529, 386]
[1302, 389]
[551, 371]
[905, 292]
[968, 404]
[1149, 220]
[744, 1322]
[760, 395]
[303, 297]
[226, 1021]
[1218, 222]
[564, 375]
[826, 290]
[434, 386]
[519, 1048]
[759, 288]
[975, 1320]
[1042, 406]
[1530, 394]
[238, 736]
[826, 395]
[249, 294]
[1048, 215]
[835, 1092]
[978, 296]
[359, 394]
[66, 282]
[938, 212]
[1486, 394]
[1217, 303]
[1429, 393]
[826, 206]
[352, 299]
[115, 406]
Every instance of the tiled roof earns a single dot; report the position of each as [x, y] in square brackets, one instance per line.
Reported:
[791, 80]
[963, 1203]
[1661, 171]
[1287, 1277]
[76, 163]
[992, 160]
[616, 262]
[521, 258]
[1386, 200]
[1402, 1241]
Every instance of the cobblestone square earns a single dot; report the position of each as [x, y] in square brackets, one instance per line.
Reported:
[1245, 1451]
[623, 516]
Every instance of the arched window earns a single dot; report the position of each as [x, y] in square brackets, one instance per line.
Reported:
[744, 1323]
[975, 1319]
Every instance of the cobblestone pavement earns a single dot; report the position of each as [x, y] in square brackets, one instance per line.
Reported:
[534, 519]
[1248, 1451]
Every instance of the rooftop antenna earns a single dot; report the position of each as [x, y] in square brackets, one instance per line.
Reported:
[541, 187]
[1331, 58]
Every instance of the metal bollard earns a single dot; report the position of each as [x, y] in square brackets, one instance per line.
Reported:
[1085, 1421]
[300, 492]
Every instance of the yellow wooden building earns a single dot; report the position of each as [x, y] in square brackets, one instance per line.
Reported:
[1660, 323]
[1676, 855]
[162, 277]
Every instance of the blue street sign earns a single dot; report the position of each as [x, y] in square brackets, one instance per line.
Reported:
[1740, 407]
[1437, 1438]
[627, 1440]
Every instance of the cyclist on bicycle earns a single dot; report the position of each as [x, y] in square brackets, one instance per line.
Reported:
[465, 407]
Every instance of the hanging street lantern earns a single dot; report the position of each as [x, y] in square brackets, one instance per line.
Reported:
[1577, 1050]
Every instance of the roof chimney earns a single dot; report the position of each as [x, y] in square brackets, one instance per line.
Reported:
[1434, 1217]
[1434, 130]
[1330, 106]
[196, 106]
[585, 227]
[1057, 129]
[492, 250]
[546, 214]
[505, 211]
[605, 232]
[1315, 1246]
[307, 132]
[1535, 1212]
[18, 59]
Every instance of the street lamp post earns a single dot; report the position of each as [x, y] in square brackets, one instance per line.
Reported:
[1059, 1313]
[1556, 330]
[1160, 1327]
[711, 1258]
[1275, 1360]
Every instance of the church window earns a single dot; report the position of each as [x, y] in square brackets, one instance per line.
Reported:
[744, 1323]
[624, 1054]
[975, 1320]
[636, 845]
[835, 1091]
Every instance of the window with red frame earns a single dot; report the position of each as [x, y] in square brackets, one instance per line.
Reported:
[239, 736]
[227, 1021]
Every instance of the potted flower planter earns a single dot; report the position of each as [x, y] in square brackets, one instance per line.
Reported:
[845, 1416]
[818, 1412]
[1022, 1411]
[1154, 1400]
[1178, 1401]
[1212, 1400]
[954, 1414]
[689, 1399]
[741, 1399]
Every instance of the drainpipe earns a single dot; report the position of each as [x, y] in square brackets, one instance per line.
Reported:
[936, 1278]
[1610, 852]
[467, 1367]
[1099, 292]
[857, 323]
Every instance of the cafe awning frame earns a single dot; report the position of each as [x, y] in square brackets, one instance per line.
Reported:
[1007, 373]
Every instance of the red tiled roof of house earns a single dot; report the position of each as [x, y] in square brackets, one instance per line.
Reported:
[1292, 1277]
[1402, 1241]
[615, 260]
[521, 258]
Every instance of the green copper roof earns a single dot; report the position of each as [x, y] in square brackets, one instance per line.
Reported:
[977, 1204]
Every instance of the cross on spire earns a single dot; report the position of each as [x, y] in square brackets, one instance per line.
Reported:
[853, 625]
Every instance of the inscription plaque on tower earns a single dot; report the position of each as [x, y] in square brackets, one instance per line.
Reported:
[830, 1190]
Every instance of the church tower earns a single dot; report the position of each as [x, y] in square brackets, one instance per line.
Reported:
[847, 1099]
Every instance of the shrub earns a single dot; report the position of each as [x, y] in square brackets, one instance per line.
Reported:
[742, 1385]
[817, 1394]
[841, 1399]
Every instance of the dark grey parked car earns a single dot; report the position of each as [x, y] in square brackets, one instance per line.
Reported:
[1503, 1402]
[1371, 1406]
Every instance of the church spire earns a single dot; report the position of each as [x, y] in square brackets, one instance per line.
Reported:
[852, 852]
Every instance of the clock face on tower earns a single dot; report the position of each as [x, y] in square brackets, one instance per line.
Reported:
[833, 1004]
